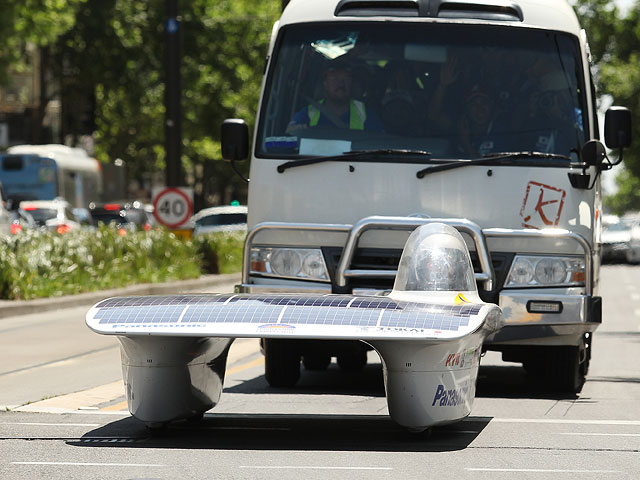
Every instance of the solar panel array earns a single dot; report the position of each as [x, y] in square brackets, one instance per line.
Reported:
[335, 310]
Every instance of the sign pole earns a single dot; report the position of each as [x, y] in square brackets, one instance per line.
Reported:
[172, 96]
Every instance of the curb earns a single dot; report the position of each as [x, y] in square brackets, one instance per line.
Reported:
[11, 308]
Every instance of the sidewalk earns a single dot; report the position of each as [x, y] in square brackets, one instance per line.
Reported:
[10, 308]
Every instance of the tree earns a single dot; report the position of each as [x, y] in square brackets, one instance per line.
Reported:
[615, 45]
[36, 22]
[27, 27]
[116, 50]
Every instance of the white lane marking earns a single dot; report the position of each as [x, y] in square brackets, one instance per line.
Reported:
[564, 421]
[269, 429]
[86, 464]
[635, 296]
[311, 467]
[70, 410]
[636, 312]
[37, 424]
[630, 286]
[538, 470]
[601, 434]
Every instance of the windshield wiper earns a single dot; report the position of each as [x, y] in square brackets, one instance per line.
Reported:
[369, 155]
[503, 158]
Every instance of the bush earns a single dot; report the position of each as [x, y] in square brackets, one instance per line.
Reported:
[221, 252]
[35, 264]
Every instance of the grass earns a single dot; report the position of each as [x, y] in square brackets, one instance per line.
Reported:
[221, 252]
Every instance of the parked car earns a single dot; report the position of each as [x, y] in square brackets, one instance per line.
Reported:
[21, 220]
[220, 219]
[123, 215]
[55, 215]
[621, 241]
[83, 215]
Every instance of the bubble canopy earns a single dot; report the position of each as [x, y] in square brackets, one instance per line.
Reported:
[435, 259]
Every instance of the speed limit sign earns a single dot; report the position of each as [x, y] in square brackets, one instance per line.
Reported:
[173, 206]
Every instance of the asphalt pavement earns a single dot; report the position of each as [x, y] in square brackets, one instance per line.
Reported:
[205, 283]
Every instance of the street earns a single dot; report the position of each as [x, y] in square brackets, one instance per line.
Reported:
[64, 414]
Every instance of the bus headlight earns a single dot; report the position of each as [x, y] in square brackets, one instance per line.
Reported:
[538, 271]
[300, 263]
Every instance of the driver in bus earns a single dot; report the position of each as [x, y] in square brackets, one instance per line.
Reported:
[553, 123]
[337, 108]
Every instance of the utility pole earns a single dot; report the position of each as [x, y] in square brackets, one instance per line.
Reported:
[172, 96]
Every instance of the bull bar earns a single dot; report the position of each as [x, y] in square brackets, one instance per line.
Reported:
[485, 276]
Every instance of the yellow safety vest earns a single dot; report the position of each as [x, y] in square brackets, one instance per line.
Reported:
[357, 115]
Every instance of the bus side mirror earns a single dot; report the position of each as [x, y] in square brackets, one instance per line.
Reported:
[235, 139]
[593, 153]
[617, 127]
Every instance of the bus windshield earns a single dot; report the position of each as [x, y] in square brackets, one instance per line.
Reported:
[456, 91]
[28, 177]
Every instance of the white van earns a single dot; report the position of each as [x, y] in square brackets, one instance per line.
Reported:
[379, 116]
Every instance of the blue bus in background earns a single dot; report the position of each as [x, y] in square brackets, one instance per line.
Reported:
[45, 172]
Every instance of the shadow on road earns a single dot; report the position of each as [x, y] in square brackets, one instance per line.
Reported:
[368, 433]
[322, 432]
[508, 381]
[332, 381]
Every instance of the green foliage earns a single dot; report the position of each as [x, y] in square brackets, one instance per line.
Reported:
[116, 49]
[113, 51]
[627, 198]
[599, 18]
[38, 22]
[221, 252]
[37, 264]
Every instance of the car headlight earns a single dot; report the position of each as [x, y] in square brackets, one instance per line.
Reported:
[302, 263]
[537, 271]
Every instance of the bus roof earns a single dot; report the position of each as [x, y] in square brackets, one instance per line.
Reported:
[547, 14]
[66, 157]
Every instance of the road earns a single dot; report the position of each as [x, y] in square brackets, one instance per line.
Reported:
[65, 416]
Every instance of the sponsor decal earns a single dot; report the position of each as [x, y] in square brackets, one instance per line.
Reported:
[277, 327]
[542, 205]
[461, 299]
[468, 357]
[403, 330]
[451, 397]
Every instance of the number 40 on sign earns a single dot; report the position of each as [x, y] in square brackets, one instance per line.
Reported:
[173, 206]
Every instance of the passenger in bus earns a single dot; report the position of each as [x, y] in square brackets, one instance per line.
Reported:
[476, 125]
[404, 103]
[469, 107]
[441, 115]
[553, 123]
[337, 108]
